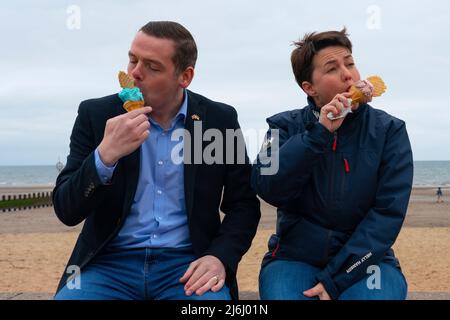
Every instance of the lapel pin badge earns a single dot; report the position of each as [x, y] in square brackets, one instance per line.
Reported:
[195, 117]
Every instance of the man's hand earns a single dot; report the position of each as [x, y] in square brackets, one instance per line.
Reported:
[123, 135]
[335, 106]
[318, 290]
[206, 273]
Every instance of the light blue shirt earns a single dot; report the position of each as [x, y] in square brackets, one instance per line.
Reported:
[158, 215]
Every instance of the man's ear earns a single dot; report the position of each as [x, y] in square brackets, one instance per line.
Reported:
[309, 89]
[186, 77]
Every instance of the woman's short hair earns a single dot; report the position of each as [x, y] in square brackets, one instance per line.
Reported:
[309, 46]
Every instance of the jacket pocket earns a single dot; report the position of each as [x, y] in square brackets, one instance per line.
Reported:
[345, 174]
[306, 242]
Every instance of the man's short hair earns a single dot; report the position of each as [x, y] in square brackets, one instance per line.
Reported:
[185, 47]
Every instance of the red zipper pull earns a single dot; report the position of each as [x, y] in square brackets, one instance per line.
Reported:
[347, 167]
[274, 252]
[334, 147]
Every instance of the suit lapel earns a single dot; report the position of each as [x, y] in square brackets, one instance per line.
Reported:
[195, 112]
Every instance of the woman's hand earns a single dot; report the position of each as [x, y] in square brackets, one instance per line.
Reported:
[335, 106]
[318, 290]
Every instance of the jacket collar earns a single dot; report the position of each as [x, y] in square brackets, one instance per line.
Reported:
[315, 111]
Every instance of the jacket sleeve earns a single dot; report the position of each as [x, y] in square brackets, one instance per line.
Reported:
[241, 210]
[76, 192]
[377, 232]
[284, 164]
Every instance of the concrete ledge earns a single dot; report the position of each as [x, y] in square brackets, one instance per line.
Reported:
[26, 296]
[249, 295]
[244, 295]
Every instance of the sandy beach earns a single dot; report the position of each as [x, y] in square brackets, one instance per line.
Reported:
[35, 246]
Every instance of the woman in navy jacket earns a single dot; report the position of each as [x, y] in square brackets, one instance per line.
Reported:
[341, 187]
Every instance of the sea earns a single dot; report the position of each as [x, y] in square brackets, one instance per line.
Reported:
[426, 174]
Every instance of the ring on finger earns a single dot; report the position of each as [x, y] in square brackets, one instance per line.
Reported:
[216, 279]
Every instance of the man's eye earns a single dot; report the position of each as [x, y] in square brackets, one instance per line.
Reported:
[351, 64]
[133, 61]
[331, 69]
[149, 66]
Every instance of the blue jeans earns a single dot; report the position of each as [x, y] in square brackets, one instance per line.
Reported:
[286, 280]
[137, 274]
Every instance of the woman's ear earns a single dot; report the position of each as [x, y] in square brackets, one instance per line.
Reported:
[309, 89]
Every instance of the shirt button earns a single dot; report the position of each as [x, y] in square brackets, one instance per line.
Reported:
[160, 162]
[159, 192]
[155, 236]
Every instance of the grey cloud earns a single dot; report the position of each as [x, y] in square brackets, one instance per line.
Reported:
[244, 50]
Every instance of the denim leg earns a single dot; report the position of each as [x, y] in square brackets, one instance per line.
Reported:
[110, 276]
[286, 280]
[166, 267]
[391, 285]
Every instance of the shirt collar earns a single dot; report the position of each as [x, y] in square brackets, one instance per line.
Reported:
[181, 114]
[183, 110]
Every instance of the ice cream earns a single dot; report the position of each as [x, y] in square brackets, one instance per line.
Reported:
[362, 92]
[130, 95]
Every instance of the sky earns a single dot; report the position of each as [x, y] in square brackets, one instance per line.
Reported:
[55, 54]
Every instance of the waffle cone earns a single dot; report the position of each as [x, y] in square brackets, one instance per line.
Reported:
[133, 105]
[357, 95]
[378, 85]
[378, 89]
[125, 80]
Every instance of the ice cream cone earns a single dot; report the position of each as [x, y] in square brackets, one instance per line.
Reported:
[133, 105]
[357, 95]
[125, 80]
[378, 85]
[130, 94]
[364, 90]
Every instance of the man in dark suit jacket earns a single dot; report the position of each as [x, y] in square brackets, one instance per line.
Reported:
[152, 227]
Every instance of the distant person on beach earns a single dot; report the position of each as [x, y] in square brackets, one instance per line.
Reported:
[439, 195]
[342, 186]
[152, 228]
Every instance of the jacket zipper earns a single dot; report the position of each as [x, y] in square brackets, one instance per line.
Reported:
[274, 252]
[344, 177]
[333, 148]
[346, 166]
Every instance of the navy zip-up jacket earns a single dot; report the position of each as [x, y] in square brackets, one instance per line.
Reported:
[341, 198]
